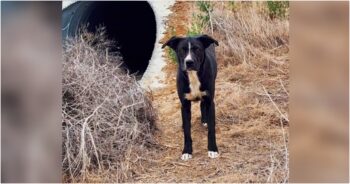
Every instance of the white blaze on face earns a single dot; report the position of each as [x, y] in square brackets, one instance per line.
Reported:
[194, 83]
[188, 57]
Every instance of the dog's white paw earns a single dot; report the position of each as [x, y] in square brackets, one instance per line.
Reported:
[186, 156]
[205, 125]
[213, 154]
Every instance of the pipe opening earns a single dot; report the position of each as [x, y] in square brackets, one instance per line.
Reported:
[131, 24]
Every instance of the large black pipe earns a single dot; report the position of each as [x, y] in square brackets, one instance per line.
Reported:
[131, 24]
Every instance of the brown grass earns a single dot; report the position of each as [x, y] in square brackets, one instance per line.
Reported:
[107, 118]
[252, 83]
[251, 99]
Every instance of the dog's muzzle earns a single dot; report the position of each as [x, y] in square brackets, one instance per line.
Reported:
[190, 65]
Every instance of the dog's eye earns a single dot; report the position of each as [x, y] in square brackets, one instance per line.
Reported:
[183, 49]
[195, 49]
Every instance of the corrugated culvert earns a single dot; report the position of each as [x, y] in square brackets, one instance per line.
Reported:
[131, 24]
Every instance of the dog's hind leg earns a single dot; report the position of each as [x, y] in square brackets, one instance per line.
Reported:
[186, 125]
[204, 119]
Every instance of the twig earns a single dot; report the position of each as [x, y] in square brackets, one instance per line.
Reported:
[286, 153]
[210, 18]
[283, 87]
[182, 164]
[284, 117]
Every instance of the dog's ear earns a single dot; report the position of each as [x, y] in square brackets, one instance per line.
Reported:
[207, 40]
[172, 42]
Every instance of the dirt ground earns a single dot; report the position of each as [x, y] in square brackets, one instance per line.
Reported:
[251, 150]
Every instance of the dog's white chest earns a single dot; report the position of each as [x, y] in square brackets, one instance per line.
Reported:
[194, 84]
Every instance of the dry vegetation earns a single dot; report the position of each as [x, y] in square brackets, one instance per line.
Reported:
[252, 99]
[252, 83]
[107, 118]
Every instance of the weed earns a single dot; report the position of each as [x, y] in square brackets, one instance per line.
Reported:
[171, 52]
[232, 5]
[201, 20]
[277, 9]
[195, 29]
[172, 55]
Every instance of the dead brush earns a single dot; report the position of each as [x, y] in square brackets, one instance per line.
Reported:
[107, 118]
[253, 82]
[249, 34]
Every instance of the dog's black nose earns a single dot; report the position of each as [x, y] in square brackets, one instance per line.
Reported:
[189, 64]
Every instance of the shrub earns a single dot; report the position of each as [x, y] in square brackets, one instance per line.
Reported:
[106, 116]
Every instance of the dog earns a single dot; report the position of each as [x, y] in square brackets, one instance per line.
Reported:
[196, 74]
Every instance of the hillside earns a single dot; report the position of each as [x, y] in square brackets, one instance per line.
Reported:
[116, 131]
[251, 101]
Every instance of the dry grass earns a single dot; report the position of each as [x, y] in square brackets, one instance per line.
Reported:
[252, 85]
[251, 101]
[107, 118]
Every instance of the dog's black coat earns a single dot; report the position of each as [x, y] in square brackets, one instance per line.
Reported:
[204, 62]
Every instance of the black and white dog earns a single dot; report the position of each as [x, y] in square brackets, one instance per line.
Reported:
[196, 82]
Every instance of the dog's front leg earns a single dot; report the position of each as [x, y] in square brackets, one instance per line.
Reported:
[186, 125]
[212, 148]
[204, 119]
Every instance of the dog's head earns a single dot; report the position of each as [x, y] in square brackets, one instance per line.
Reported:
[190, 51]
